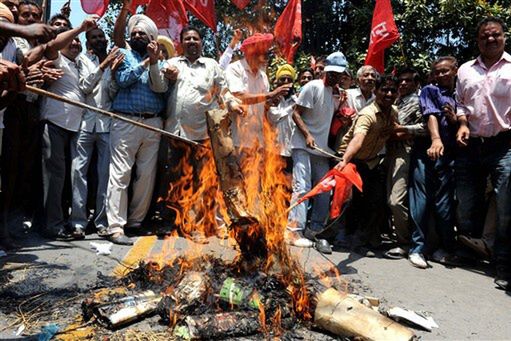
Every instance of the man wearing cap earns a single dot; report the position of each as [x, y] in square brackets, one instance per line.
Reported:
[313, 114]
[280, 114]
[139, 99]
[247, 80]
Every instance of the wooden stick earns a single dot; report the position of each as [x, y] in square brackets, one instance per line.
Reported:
[324, 152]
[113, 115]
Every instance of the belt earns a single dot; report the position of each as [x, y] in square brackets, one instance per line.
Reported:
[144, 115]
[501, 137]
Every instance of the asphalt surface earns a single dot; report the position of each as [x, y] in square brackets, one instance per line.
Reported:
[45, 281]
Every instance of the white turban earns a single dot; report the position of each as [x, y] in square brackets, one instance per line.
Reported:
[144, 23]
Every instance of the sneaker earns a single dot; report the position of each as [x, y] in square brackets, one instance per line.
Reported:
[418, 260]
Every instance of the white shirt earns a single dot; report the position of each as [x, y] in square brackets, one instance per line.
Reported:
[95, 85]
[65, 115]
[248, 129]
[281, 117]
[194, 92]
[356, 99]
[23, 46]
[320, 105]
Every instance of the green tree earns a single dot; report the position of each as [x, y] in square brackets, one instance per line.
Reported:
[428, 28]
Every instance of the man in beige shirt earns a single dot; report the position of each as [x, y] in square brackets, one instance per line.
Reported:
[361, 145]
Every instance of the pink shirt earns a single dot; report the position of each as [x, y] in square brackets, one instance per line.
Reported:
[484, 96]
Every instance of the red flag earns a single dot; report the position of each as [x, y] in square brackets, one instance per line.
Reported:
[95, 6]
[288, 29]
[341, 182]
[136, 3]
[204, 10]
[383, 33]
[169, 16]
[241, 4]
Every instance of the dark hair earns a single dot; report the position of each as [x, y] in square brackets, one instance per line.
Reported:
[87, 33]
[30, 3]
[384, 79]
[451, 59]
[491, 19]
[414, 72]
[188, 29]
[321, 59]
[304, 71]
[59, 16]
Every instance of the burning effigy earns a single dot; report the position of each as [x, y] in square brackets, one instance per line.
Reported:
[263, 291]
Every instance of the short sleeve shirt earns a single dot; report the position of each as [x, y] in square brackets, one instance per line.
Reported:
[377, 128]
[320, 105]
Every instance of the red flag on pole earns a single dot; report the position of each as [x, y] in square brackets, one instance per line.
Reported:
[288, 29]
[204, 10]
[95, 6]
[383, 33]
[241, 4]
[341, 182]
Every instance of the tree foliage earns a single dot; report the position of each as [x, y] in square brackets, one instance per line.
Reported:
[429, 28]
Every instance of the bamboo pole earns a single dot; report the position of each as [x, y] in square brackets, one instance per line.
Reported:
[113, 115]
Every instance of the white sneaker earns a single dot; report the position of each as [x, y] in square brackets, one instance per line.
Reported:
[418, 260]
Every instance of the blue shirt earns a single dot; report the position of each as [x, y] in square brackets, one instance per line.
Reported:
[135, 95]
[432, 100]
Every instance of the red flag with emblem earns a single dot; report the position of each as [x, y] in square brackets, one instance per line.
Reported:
[341, 182]
[241, 4]
[95, 6]
[383, 33]
[288, 29]
[204, 10]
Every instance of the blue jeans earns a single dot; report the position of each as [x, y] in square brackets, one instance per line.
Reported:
[480, 159]
[308, 169]
[431, 192]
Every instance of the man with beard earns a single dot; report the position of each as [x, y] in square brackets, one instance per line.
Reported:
[61, 125]
[484, 134]
[95, 80]
[359, 97]
[197, 83]
[139, 98]
[315, 107]
[361, 144]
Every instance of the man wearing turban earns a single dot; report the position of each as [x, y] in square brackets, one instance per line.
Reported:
[139, 99]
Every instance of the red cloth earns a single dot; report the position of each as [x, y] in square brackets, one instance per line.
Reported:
[204, 10]
[257, 43]
[95, 6]
[337, 122]
[288, 30]
[241, 4]
[341, 182]
[170, 18]
[383, 33]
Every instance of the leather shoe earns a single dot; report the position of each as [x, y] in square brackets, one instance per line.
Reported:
[120, 239]
[78, 233]
[503, 277]
[323, 246]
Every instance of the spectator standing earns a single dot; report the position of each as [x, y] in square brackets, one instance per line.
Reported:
[398, 150]
[363, 95]
[94, 82]
[484, 134]
[432, 167]
[138, 98]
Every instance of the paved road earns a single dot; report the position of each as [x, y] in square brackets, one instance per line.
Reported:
[464, 302]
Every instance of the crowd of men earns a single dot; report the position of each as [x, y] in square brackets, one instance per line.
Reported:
[434, 155]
